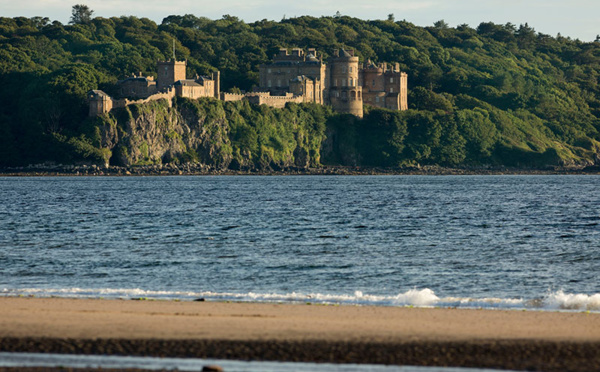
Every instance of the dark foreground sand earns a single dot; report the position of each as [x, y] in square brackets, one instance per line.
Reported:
[521, 340]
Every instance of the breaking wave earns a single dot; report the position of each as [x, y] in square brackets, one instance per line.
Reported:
[557, 301]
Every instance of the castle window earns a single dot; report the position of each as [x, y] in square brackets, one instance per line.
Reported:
[373, 82]
[391, 80]
[350, 68]
[269, 70]
[269, 83]
[278, 82]
[353, 95]
[351, 82]
[377, 99]
[344, 94]
[344, 69]
[391, 90]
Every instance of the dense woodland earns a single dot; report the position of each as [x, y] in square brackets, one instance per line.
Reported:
[478, 95]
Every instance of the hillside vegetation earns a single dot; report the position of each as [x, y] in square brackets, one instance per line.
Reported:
[485, 95]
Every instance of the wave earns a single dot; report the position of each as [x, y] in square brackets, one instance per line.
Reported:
[413, 298]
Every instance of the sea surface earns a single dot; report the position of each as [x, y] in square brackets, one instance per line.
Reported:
[508, 242]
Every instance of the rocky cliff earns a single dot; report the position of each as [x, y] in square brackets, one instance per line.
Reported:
[222, 135]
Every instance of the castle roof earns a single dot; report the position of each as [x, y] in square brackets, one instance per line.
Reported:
[311, 58]
[343, 54]
[300, 78]
[137, 78]
[203, 79]
[97, 93]
[186, 83]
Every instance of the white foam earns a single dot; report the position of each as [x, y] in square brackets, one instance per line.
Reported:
[571, 301]
[413, 297]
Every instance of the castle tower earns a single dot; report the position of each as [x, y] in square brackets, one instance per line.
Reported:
[384, 86]
[344, 90]
[169, 72]
[403, 91]
[100, 102]
[216, 76]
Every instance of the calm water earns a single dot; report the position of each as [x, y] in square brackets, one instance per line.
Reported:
[469, 241]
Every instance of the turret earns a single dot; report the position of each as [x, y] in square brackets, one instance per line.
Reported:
[345, 92]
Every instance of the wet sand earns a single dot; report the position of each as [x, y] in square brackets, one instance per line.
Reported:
[521, 340]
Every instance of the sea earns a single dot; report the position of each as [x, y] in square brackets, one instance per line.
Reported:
[491, 242]
[484, 242]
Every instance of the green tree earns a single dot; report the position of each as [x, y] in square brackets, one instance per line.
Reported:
[441, 24]
[81, 14]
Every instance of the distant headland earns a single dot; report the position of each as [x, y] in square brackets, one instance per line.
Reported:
[302, 93]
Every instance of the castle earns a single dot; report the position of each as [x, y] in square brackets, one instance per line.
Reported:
[291, 77]
[343, 83]
[171, 82]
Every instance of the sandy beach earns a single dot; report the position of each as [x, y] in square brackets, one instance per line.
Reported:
[522, 340]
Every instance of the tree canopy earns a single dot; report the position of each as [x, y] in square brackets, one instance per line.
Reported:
[81, 14]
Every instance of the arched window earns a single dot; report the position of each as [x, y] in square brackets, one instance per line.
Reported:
[353, 95]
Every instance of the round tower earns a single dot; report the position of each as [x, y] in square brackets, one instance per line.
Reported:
[345, 93]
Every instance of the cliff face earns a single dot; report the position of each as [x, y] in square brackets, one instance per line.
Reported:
[220, 135]
[155, 133]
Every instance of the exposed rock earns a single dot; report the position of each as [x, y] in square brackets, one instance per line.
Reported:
[301, 158]
[155, 133]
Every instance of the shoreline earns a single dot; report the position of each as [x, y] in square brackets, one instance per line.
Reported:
[505, 339]
[205, 170]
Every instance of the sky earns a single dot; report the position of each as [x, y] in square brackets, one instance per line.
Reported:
[578, 19]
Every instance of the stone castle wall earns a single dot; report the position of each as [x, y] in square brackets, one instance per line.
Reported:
[273, 101]
[168, 95]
